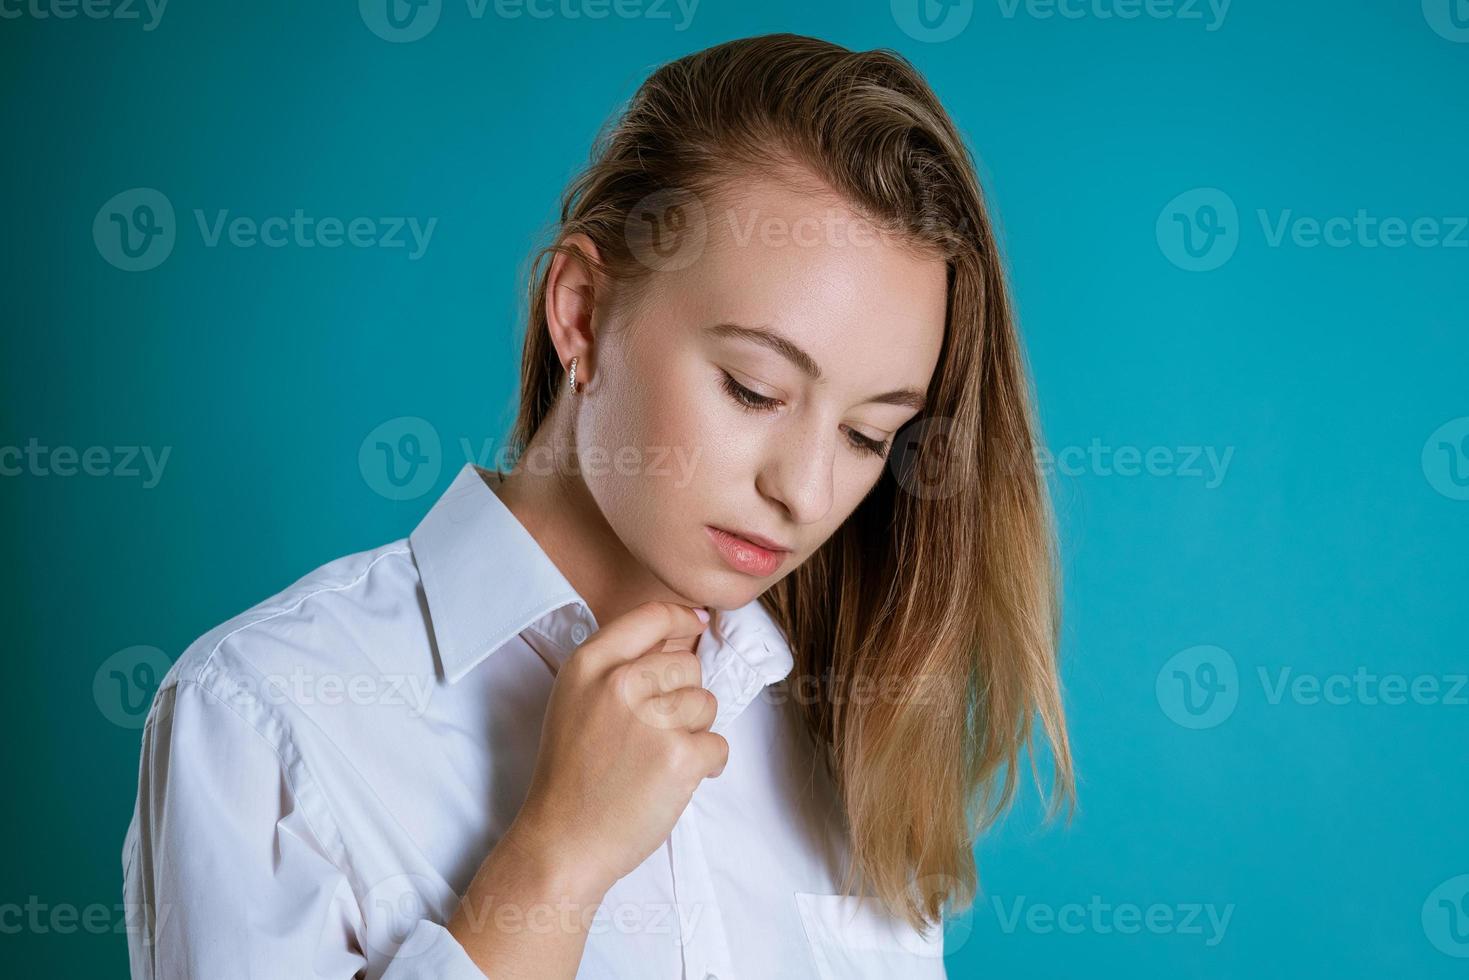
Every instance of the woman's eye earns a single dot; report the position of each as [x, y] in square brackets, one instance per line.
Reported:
[754, 402]
[744, 396]
[865, 445]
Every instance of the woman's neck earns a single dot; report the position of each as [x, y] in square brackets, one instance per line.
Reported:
[554, 505]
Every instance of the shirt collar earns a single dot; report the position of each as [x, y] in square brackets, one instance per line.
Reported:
[741, 653]
[486, 580]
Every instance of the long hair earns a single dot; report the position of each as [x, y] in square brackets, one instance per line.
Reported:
[927, 625]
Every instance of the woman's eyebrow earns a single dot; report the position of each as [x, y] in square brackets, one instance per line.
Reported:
[785, 347]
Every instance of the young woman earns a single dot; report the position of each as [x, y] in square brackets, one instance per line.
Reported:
[724, 676]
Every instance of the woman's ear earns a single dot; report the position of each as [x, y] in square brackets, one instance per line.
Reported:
[572, 289]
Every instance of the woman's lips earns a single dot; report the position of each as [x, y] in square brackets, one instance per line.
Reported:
[745, 556]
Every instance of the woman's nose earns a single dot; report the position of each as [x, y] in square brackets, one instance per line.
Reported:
[799, 476]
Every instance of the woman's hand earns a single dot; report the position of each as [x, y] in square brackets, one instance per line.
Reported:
[624, 743]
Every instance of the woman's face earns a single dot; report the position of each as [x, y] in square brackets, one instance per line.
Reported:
[721, 429]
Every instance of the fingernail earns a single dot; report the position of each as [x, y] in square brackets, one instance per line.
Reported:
[702, 613]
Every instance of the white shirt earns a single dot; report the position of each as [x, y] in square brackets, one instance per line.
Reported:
[322, 775]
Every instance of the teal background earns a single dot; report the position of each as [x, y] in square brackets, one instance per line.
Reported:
[1336, 539]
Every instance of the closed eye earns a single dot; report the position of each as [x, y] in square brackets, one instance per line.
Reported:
[752, 401]
[746, 397]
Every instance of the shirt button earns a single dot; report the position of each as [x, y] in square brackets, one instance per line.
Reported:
[578, 632]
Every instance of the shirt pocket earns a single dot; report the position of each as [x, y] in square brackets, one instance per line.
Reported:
[852, 937]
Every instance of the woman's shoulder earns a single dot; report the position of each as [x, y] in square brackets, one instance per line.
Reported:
[329, 625]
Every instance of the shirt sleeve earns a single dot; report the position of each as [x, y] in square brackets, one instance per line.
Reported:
[225, 867]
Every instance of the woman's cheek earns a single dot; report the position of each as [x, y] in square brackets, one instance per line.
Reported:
[683, 409]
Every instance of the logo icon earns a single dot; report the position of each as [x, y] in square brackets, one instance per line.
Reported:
[1199, 687]
[667, 230]
[1448, 18]
[400, 21]
[932, 20]
[1446, 917]
[124, 685]
[135, 230]
[923, 459]
[1446, 459]
[1199, 229]
[400, 459]
[392, 909]
[955, 929]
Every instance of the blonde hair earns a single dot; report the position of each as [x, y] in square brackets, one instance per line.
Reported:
[943, 583]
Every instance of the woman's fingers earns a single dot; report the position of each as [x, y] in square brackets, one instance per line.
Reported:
[658, 673]
[713, 751]
[652, 624]
[689, 708]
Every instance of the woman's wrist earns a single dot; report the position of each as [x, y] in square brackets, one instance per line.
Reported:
[555, 862]
[528, 909]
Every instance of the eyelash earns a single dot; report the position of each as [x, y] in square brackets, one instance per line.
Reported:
[752, 402]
